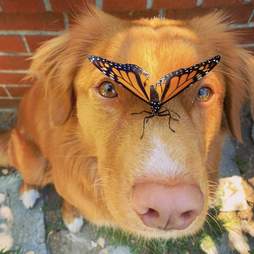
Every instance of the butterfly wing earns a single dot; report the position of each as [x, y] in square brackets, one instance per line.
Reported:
[176, 82]
[130, 76]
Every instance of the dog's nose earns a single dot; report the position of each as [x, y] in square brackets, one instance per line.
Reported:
[167, 207]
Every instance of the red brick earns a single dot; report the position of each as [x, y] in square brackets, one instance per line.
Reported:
[24, 5]
[70, 6]
[237, 15]
[117, 5]
[182, 4]
[35, 41]
[2, 92]
[11, 44]
[240, 14]
[18, 91]
[219, 3]
[13, 63]
[12, 78]
[250, 49]
[136, 14]
[31, 21]
[186, 13]
[246, 35]
[9, 103]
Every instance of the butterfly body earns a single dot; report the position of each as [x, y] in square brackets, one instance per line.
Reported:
[154, 101]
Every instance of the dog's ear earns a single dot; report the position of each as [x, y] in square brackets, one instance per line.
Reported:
[51, 70]
[239, 77]
[57, 61]
[250, 69]
[234, 75]
[216, 37]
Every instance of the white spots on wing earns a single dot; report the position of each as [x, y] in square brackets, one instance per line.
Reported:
[159, 160]
[199, 76]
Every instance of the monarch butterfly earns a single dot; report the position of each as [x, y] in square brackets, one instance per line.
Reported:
[135, 79]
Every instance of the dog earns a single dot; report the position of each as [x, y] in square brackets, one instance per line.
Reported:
[75, 128]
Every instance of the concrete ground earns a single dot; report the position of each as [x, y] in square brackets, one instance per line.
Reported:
[41, 231]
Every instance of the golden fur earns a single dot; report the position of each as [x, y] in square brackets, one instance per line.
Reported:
[90, 148]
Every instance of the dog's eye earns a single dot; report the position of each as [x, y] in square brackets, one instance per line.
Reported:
[107, 89]
[204, 94]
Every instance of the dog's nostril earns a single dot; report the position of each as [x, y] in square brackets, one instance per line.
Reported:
[152, 213]
[188, 214]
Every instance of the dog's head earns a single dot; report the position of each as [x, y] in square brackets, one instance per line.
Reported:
[158, 186]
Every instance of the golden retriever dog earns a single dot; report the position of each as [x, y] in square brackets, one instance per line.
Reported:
[75, 127]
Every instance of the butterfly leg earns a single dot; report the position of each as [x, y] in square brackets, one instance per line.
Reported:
[145, 121]
[175, 116]
[169, 119]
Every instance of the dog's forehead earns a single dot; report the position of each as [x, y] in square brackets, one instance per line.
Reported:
[158, 51]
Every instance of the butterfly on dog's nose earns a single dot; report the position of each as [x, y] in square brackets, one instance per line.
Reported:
[135, 79]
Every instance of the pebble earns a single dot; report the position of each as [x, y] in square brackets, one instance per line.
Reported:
[93, 244]
[5, 171]
[6, 213]
[6, 241]
[101, 242]
[30, 252]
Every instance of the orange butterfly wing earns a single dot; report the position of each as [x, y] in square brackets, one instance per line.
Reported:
[134, 78]
[130, 76]
[176, 82]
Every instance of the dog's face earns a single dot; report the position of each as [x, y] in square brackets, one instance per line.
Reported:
[128, 165]
[160, 185]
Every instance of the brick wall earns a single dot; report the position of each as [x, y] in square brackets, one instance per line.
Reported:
[25, 24]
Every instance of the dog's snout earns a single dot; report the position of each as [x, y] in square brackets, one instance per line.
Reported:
[167, 207]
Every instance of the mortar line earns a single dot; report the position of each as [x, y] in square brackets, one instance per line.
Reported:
[26, 43]
[99, 4]
[149, 4]
[47, 5]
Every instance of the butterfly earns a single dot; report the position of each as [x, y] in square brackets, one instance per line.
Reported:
[135, 79]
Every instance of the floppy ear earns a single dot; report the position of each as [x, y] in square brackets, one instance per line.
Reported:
[50, 70]
[239, 86]
[57, 61]
[235, 65]
[250, 69]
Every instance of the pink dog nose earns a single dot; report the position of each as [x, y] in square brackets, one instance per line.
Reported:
[167, 207]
